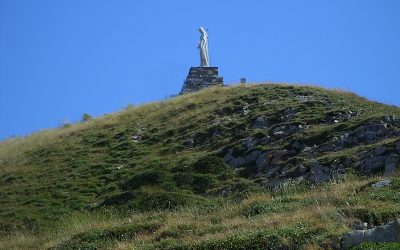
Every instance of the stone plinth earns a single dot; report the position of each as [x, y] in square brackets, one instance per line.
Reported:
[201, 77]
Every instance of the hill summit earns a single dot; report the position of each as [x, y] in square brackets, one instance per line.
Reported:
[241, 167]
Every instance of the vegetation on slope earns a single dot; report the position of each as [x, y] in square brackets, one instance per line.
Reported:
[153, 176]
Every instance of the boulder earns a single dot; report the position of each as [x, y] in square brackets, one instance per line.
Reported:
[288, 114]
[382, 183]
[389, 232]
[319, 173]
[398, 146]
[391, 164]
[260, 122]
[379, 150]
[237, 162]
[189, 143]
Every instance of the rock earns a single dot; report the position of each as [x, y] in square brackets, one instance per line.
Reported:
[288, 114]
[382, 183]
[301, 169]
[389, 232]
[228, 157]
[277, 155]
[285, 129]
[260, 122]
[136, 138]
[307, 149]
[252, 156]
[236, 162]
[295, 145]
[201, 77]
[271, 172]
[189, 143]
[245, 109]
[261, 161]
[319, 173]
[360, 226]
[250, 143]
[398, 146]
[390, 164]
[380, 150]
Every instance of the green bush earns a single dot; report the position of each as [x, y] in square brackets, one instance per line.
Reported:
[147, 177]
[211, 165]
[198, 183]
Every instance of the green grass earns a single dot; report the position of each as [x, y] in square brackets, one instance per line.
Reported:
[137, 163]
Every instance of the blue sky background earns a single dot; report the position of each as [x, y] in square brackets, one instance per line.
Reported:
[60, 59]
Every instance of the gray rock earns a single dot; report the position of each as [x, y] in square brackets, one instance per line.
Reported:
[380, 150]
[277, 155]
[261, 161]
[272, 172]
[236, 162]
[252, 156]
[260, 122]
[136, 138]
[398, 146]
[250, 143]
[389, 232]
[296, 145]
[319, 173]
[307, 149]
[228, 157]
[289, 114]
[390, 164]
[189, 143]
[382, 183]
[360, 226]
[201, 77]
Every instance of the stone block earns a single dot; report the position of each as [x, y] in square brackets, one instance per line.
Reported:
[201, 77]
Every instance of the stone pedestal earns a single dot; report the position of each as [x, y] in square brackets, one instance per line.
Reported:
[201, 77]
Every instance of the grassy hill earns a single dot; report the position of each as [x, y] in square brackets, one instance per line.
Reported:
[241, 167]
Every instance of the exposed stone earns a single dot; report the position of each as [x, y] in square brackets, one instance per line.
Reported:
[228, 156]
[391, 164]
[288, 114]
[360, 226]
[378, 159]
[201, 77]
[389, 232]
[253, 156]
[398, 146]
[189, 143]
[261, 161]
[380, 150]
[245, 109]
[250, 143]
[136, 138]
[260, 122]
[341, 116]
[282, 130]
[237, 162]
[319, 173]
[271, 172]
[295, 145]
[382, 183]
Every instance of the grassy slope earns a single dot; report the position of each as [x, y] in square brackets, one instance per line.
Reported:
[93, 184]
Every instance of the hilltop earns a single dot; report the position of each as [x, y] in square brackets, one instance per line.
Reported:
[239, 167]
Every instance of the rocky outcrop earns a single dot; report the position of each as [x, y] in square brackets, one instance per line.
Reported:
[379, 159]
[389, 232]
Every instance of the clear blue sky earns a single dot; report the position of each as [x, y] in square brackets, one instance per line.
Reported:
[60, 59]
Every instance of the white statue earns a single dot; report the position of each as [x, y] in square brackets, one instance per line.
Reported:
[203, 46]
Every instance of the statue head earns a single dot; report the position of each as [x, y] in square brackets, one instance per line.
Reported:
[202, 30]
